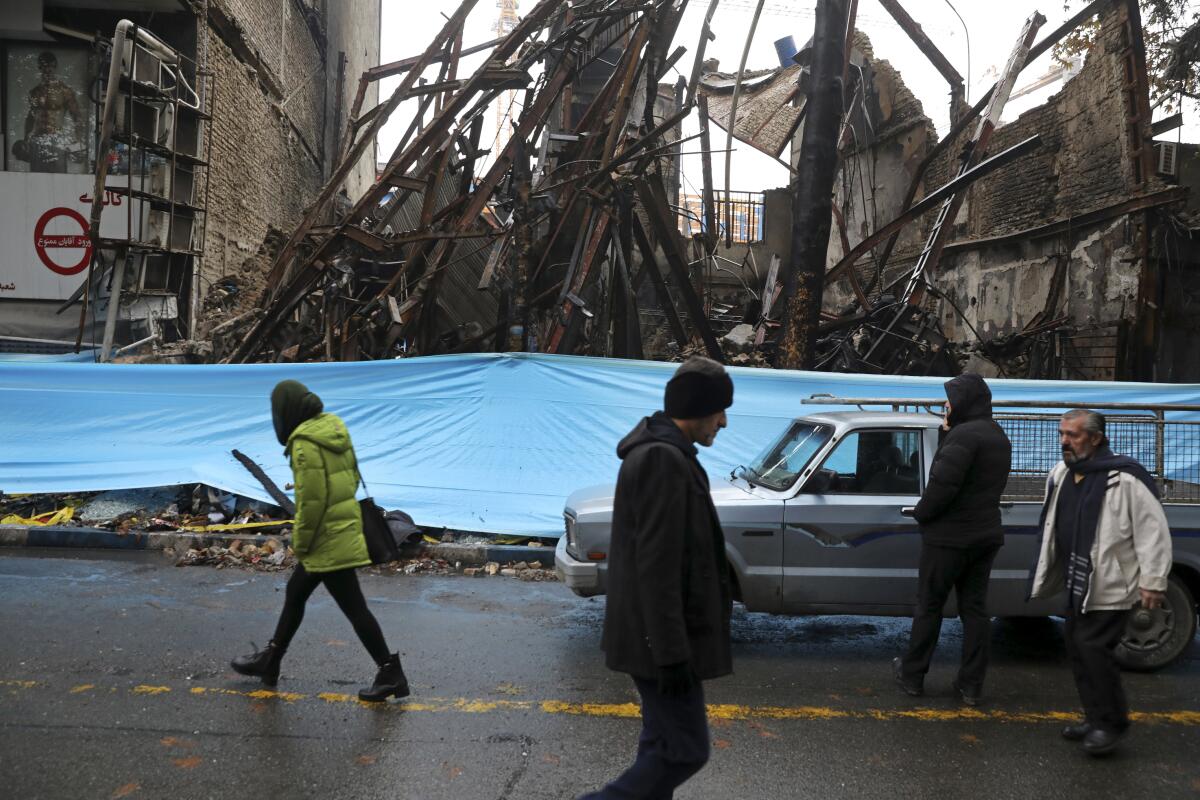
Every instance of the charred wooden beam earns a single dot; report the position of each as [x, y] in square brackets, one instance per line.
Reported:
[650, 267]
[577, 279]
[406, 64]
[929, 49]
[813, 199]
[626, 319]
[710, 208]
[653, 198]
[281, 499]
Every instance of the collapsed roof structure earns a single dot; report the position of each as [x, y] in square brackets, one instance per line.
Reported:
[375, 283]
[568, 241]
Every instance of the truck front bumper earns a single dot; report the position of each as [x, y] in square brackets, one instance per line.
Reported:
[581, 577]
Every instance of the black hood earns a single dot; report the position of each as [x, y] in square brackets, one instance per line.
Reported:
[291, 404]
[970, 398]
[655, 428]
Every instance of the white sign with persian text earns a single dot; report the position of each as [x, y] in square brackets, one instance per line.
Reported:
[44, 246]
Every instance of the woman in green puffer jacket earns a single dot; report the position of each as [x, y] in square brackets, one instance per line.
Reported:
[327, 537]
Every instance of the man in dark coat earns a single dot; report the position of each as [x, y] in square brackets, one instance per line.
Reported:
[959, 517]
[669, 600]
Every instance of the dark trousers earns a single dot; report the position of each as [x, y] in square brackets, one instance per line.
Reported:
[965, 570]
[1092, 639]
[343, 586]
[673, 746]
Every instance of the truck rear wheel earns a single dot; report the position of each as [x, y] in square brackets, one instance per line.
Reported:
[1155, 638]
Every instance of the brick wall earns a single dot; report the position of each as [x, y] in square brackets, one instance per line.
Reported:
[261, 173]
[1083, 164]
[275, 73]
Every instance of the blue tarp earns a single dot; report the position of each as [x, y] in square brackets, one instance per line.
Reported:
[473, 442]
[84, 356]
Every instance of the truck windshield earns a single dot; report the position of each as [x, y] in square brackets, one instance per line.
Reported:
[780, 463]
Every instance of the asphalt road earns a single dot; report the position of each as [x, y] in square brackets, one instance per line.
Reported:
[114, 682]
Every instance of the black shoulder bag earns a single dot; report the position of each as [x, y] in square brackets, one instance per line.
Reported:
[381, 545]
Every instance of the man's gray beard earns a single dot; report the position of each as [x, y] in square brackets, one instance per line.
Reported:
[1069, 457]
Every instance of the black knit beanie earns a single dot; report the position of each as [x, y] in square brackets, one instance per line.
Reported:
[697, 391]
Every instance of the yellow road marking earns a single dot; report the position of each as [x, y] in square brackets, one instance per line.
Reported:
[257, 694]
[592, 709]
[717, 711]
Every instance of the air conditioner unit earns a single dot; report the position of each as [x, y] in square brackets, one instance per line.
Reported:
[1168, 158]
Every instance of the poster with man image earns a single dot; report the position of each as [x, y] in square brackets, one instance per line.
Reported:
[50, 117]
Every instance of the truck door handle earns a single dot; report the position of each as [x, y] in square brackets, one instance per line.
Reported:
[908, 511]
[758, 533]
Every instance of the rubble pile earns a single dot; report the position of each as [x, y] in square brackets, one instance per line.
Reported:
[197, 508]
[271, 556]
[521, 570]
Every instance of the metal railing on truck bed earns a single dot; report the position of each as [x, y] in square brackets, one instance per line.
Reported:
[1164, 438]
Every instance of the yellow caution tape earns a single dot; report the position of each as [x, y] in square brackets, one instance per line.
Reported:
[49, 518]
[235, 527]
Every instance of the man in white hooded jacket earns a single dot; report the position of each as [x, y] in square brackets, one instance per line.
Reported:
[1105, 541]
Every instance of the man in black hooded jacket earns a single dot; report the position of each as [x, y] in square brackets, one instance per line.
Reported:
[666, 621]
[959, 517]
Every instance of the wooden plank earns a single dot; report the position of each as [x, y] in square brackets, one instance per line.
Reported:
[650, 267]
[661, 223]
[923, 42]
[593, 248]
[281, 499]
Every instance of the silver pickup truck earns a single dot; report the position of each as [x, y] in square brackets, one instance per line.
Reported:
[820, 523]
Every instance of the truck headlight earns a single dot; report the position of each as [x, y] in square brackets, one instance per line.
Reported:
[569, 524]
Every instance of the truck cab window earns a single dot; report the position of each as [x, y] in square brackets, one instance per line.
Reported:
[779, 465]
[876, 462]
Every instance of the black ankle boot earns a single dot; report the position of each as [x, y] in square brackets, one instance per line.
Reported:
[261, 663]
[389, 682]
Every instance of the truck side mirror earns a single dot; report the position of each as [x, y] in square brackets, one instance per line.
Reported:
[820, 481]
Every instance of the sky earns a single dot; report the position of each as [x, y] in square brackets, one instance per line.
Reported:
[978, 53]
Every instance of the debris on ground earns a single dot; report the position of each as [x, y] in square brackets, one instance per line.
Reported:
[193, 508]
[59, 516]
[270, 556]
[202, 509]
[274, 556]
[121, 504]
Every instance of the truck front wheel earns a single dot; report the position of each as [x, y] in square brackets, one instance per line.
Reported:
[1155, 638]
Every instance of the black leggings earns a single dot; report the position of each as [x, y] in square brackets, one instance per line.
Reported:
[343, 585]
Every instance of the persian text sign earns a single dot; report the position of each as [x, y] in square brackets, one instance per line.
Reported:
[78, 245]
[44, 245]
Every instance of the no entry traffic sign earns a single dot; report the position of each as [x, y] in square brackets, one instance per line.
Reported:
[70, 243]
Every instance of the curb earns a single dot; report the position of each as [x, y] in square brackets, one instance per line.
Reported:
[98, 538]
[476, 555]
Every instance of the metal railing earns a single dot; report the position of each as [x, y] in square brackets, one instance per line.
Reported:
[746, 223]
[1168, 448]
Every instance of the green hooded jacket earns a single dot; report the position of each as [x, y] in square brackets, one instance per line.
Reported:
[328, 533]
